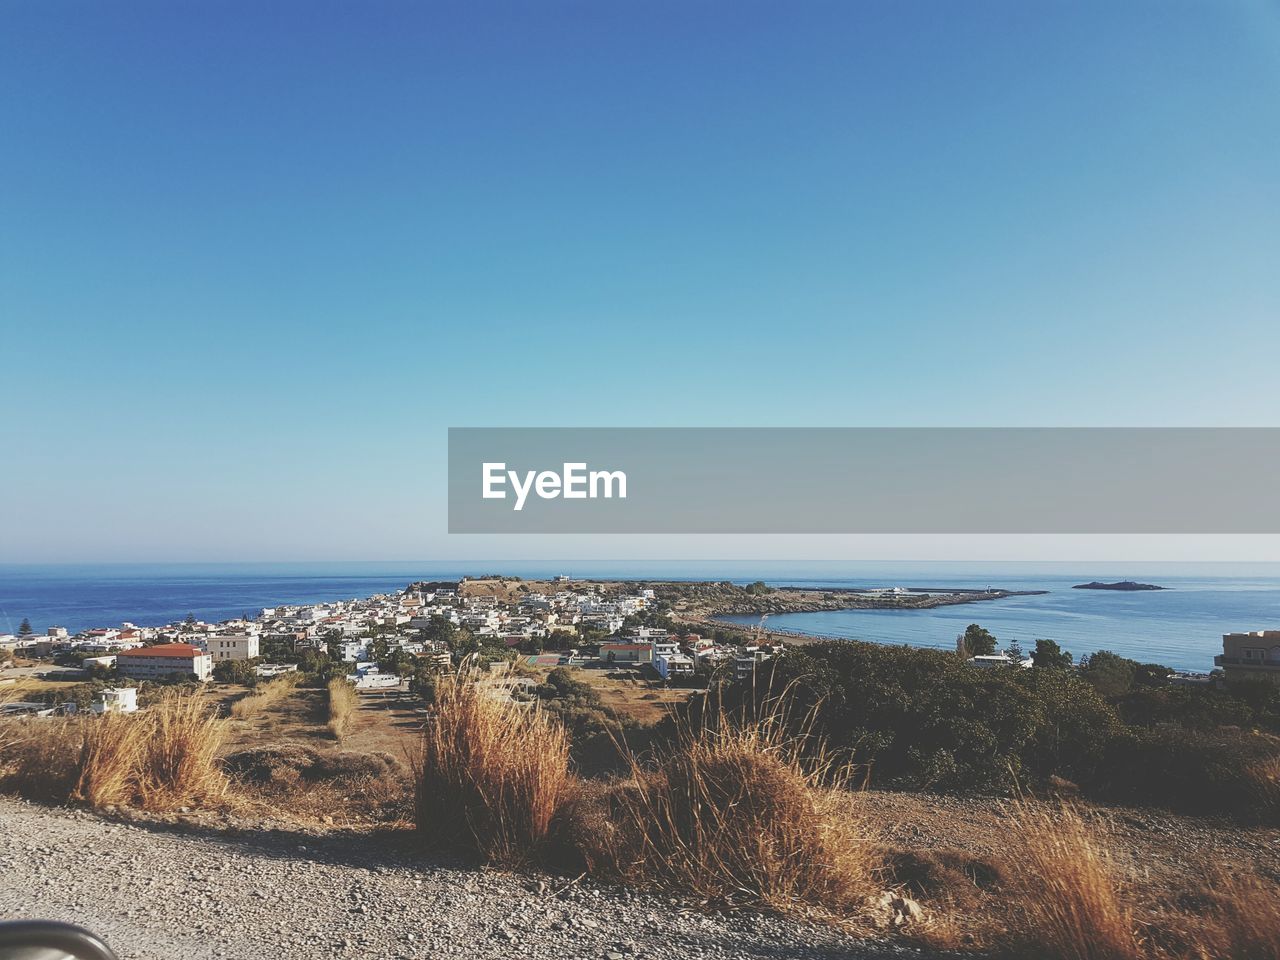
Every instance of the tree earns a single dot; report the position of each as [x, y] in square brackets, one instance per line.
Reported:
[396, 661]
[532, 645]
[191, 620]
[98, 672]
[439, 631]
[25, 629]
[378, 650]
[1049, 655]
[1015, 653]
[976, 642]
[236, 671]
[311, 660]
[422, 682]
[1110, 673]
[462, 643]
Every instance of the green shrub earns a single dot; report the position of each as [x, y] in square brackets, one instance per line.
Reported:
[927, 719]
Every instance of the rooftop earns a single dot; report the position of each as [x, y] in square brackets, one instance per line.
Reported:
[184, 650]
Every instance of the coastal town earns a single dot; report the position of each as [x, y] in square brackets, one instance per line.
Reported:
[391, 723]
[665, 634]
[379, 642]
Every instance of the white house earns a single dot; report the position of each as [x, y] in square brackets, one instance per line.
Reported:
[670, 662]
[745, 666]
[995, 660]
[369, 677]
[274, 669]
[116, 700]
[352, 651]
[650, 635]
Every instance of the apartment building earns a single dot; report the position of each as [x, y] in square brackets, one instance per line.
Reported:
[668, 660]
[235, 646]
[1251, 655]
[165, 660]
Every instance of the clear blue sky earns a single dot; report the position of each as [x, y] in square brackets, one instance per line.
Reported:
[255, 258]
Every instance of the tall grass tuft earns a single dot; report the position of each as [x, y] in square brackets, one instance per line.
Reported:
[343, 702]
[180, 758]
[264, 695]
[157, 759]
[740, 812]
[492, 774]
[40, 760]
[1074, 902]
[1240, 919]
[1264, 778]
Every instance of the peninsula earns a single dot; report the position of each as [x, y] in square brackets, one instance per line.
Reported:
[1118, 585]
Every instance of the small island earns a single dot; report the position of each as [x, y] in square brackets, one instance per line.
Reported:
[1118, 585]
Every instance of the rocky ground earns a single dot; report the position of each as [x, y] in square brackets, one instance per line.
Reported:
[156, 892]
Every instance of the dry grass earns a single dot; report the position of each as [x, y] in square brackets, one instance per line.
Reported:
[157, 759]
[1075, 906]
[343, 703]
[264, 695]
[491, 774]
[180, 757]
[1264, 776]
[1242, 920]
[735, 814]
[40, 760]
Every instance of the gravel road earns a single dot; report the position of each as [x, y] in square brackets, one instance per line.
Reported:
[159, 893]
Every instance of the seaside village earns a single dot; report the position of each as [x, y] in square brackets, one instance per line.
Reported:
[589, 625]
[574, 624]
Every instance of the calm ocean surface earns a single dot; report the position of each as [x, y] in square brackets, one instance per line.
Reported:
[1180, 627]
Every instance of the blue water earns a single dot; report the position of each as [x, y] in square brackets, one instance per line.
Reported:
[79, 596]
[1180, 627]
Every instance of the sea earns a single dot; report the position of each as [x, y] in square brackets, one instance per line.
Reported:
[1180, 627]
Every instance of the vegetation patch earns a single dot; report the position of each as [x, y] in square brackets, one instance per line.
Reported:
[264, 695]
[736, 813]
[159, 759]
[492, 773]
[343, 703]
[1116, 729]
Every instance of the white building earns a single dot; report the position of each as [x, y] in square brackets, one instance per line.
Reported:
[232, 646]
[352, 651]
[116, 700]
[274, 669]
[371, 678]
[995, 660]
[669, 661]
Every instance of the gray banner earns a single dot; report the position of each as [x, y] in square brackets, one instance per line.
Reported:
[863, 480]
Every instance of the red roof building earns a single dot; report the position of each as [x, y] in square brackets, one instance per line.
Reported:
[165, 660]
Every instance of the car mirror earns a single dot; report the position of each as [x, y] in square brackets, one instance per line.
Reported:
[50, 940]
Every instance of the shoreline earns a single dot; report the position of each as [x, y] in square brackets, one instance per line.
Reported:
[784, 600]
